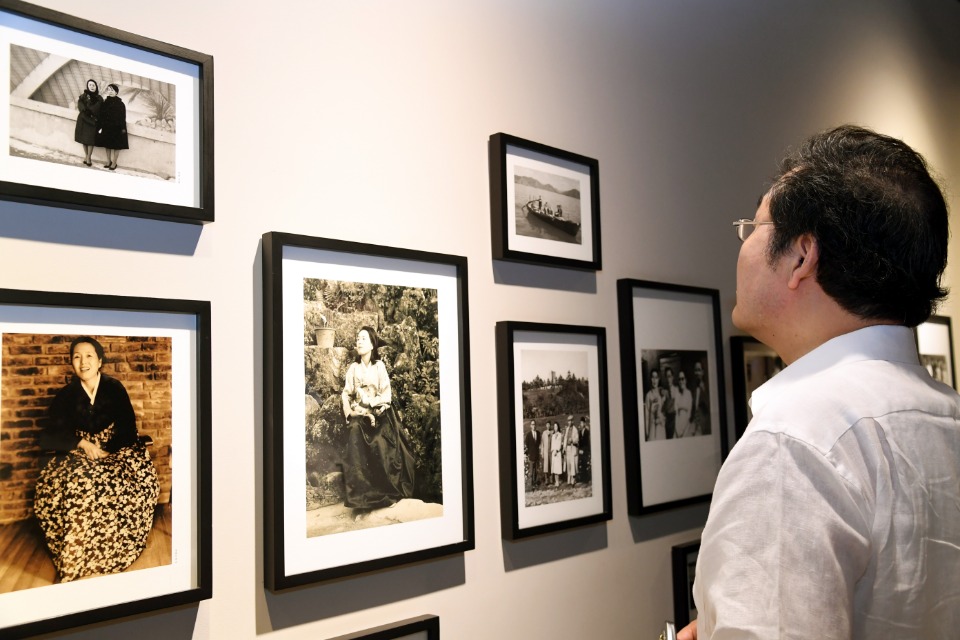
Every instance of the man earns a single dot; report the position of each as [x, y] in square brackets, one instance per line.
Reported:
[837, 515]
[571, 446]
[532, 447]
[701, 402]
[583, 463]
[669, 403]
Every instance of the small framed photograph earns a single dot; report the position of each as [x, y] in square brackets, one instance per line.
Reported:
[935, 345]
[554, 431]
[422, 628]
[544, 204]
[753, 364]
[365, 467]
[102, 120]
[104, 458]
[671, 357]
[684, 561]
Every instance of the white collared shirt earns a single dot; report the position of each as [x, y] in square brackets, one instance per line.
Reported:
[837, 515]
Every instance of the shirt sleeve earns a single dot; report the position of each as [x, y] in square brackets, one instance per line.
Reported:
[785, 543]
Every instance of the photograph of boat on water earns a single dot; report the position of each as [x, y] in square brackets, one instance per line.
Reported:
[544, 204]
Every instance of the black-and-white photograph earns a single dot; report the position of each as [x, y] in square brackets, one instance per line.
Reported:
[102, 120]
[544, 204]
[366, 467]
[90, 116]
[754, 363]
[676, 394]
[547, 205]
[556, 426]
[935, 346]
[93, 496]
[373, 455]
[684, 560]
[554, 436]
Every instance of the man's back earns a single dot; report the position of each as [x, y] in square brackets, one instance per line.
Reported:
[840, 507]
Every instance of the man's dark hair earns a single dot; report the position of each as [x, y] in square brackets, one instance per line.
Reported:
[879, 218]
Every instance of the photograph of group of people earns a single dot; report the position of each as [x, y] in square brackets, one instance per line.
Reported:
[557, 456]
[556, 426]
[676, 394]
[75, 112]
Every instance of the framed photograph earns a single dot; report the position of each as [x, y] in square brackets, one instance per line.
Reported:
[104, 458]
[554, 430]
[365, 467]
[935, 345]
[544, 204]
[422, 628]
[684, 561]
[753, 364]
[102, 120]
[674, 411]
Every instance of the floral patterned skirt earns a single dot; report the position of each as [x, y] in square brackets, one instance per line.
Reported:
[96, 514]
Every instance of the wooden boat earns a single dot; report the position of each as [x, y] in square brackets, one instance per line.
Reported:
[536, 209]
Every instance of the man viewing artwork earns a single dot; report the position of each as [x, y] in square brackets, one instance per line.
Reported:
[837, 515]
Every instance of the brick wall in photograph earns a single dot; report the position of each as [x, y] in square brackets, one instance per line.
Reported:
[33, 367]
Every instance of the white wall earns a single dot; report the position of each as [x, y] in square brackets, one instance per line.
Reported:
[369, 120]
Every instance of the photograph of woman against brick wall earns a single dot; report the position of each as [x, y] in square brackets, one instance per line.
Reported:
[85, 456]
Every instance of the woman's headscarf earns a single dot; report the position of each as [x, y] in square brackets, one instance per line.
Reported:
[86, 87]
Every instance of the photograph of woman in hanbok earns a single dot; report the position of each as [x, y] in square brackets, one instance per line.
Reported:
[378, 467]
[95, 499]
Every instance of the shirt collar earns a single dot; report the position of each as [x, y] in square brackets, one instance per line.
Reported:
[894, 343]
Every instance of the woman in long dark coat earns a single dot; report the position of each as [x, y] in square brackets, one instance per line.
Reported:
[95, 499]
[88, 104]
[378, 467]
[112, 134]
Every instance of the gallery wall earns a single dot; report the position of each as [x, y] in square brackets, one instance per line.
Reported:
[368, 121]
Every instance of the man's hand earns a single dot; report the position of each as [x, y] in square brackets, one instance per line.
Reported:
[689, 632]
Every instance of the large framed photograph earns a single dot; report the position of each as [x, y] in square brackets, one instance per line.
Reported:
[753, 363]
[683, 558]
[935, 345]
[104, 458]
[421, 628]
[544, 204]
[671, 358]
[102, 120]
[554, 431]
[365, 467]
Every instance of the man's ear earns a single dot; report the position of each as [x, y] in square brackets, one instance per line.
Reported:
[805, 256]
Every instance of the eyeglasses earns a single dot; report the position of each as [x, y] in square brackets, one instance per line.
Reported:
[746, 227]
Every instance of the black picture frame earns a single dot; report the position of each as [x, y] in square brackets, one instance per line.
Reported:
[534, 355]
[683, 560]
[168, 171]
[528, 232]
[935, 346]
[420, 628]
[39, 325]
[752, 364]
[300, 547]
[677, 326]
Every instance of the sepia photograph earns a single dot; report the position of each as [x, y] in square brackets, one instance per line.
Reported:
[553, 421]
[372, 379]
[104, 429]
[92, 122]
[94, 498]
[544, 204]
[367, 421]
